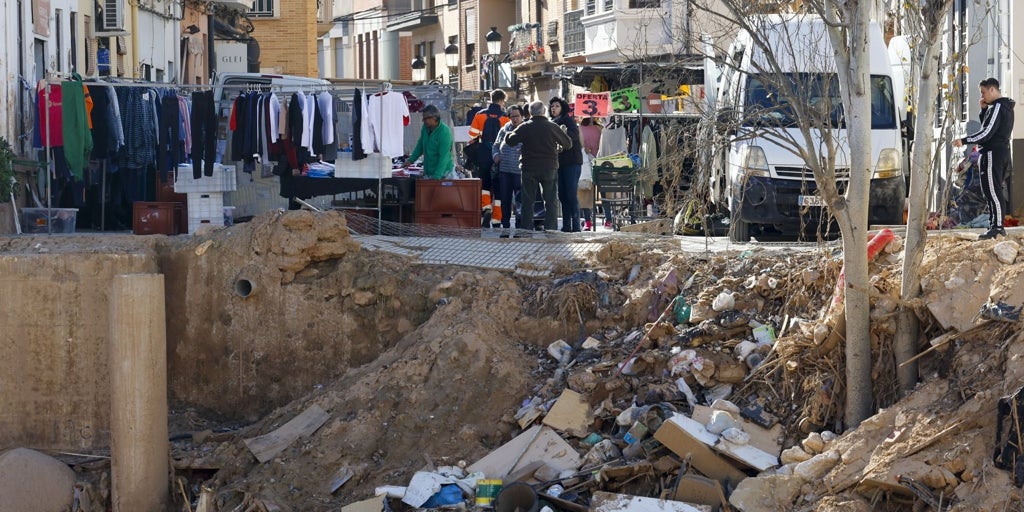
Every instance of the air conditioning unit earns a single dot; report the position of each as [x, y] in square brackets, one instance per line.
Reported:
[238, 5]
[110, 18]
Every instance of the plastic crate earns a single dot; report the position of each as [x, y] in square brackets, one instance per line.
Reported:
[48, 220]
[156, 218]
[448, 196]
[205, 205]
[223, 180]
[194, 223]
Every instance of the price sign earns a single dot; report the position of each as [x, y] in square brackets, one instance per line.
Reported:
[626, 100]
[592, 104]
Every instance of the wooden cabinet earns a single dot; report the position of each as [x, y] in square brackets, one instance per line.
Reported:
[448, 202]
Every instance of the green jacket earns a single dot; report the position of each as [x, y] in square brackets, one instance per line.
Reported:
[436, 148]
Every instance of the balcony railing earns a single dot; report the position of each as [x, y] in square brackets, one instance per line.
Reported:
[575, 35]
[527, 45]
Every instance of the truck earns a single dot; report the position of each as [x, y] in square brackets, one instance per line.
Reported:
[759, 176]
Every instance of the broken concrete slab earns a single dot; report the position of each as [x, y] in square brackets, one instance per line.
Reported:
[267, 446]
[538, 444]
[611, 502]
[764, 439]
[31, 481]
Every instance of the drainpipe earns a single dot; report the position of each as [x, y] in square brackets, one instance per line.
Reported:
[135, 39]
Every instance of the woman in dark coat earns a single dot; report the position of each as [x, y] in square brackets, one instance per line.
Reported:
[570, 164]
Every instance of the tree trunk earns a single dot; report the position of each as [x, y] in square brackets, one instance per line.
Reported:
[920, 184]
[853, 220]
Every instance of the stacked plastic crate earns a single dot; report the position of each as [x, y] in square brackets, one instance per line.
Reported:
[205, 195]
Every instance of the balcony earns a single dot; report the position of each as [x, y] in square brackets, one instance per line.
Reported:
[628, 29]
[526, 48]
[410, 15]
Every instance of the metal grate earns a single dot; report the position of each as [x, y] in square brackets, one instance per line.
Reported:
[804, 173]
[262, 9]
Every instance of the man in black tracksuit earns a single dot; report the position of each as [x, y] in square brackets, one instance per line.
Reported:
[993, 140]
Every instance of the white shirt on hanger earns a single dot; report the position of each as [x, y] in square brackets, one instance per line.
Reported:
[326, 103]
[387, 115]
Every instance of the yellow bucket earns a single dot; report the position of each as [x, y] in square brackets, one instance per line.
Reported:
[486, 491]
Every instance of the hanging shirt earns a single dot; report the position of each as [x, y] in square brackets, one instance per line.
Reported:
[387, 114]
[326, 102]
[613, 140]
[51, 121]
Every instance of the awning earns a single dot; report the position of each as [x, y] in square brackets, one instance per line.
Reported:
[687, 69]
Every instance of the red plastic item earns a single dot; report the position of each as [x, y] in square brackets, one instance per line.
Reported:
[875, 246]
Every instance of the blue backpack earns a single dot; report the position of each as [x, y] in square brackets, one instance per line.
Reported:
[492, 125]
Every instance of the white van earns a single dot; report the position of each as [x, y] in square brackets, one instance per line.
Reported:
[259, 81]
[761, 178]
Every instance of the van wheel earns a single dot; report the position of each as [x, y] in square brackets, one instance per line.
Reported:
[739, 230]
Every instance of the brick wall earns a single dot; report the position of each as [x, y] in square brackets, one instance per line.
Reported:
[288, 42]
[405, 57]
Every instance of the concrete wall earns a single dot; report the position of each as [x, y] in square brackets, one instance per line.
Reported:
[54, 387]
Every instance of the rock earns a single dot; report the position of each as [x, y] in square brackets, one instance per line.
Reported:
[809, 276]
[721, 420]
[794, 455]
[813, 444]
[363, 298]
[773, 492]
[723, 302]
[828, 436]
[34, 482]
[725, 405]
[736, 436]
[814, 468]
[1006, 251]
[954, 283]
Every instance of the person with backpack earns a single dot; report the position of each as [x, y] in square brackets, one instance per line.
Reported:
[506, 156]
[485, 127]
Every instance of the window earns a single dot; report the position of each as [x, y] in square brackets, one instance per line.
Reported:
[58, 24]
[262, 9]
[471, 37]
[609, 5]
[591, 7]
[74, 41]
[644, 4]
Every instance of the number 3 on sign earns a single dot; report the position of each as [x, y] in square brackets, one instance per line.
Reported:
[592, 104]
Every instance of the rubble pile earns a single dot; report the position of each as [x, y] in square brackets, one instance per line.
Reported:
[648, 379]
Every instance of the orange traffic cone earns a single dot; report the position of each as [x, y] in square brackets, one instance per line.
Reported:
[496, 213]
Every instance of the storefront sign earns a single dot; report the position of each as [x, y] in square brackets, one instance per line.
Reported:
[626, 100]
[592, 104]
[41, 17]
[232, 57]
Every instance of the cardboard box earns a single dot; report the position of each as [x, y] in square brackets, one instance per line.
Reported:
[686, 437]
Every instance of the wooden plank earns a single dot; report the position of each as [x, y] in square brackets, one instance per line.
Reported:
[570, 414]
[267, 446]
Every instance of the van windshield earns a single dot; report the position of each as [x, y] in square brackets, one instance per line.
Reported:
[767, 106]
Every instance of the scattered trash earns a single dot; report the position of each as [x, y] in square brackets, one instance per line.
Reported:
[1000, 311]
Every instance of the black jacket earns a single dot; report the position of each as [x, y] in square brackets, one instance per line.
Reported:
[996, 126]
[541, 141]
[573, 155]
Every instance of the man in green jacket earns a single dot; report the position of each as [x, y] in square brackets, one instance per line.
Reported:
[435, 145]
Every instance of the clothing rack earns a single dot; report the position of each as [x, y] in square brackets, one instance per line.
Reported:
[336, 90]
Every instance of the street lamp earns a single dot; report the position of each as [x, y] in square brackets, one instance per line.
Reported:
[419, 69]
[451, 58]
[493, 39]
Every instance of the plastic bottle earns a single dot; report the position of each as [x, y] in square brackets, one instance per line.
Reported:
[555, 490]
[682, 310]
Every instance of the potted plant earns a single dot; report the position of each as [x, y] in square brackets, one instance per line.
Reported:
[7, 177]
[8, 185]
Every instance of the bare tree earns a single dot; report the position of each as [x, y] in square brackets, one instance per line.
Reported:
[848, 26]
[925, 21]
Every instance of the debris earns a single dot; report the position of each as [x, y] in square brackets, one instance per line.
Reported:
[611, 502]
[701, 491]
[1000, 312]
[267, 446]
[375, 504]
[689, 439]
[570, 414]
[536, 444]
[343, 475]
[33, 481]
